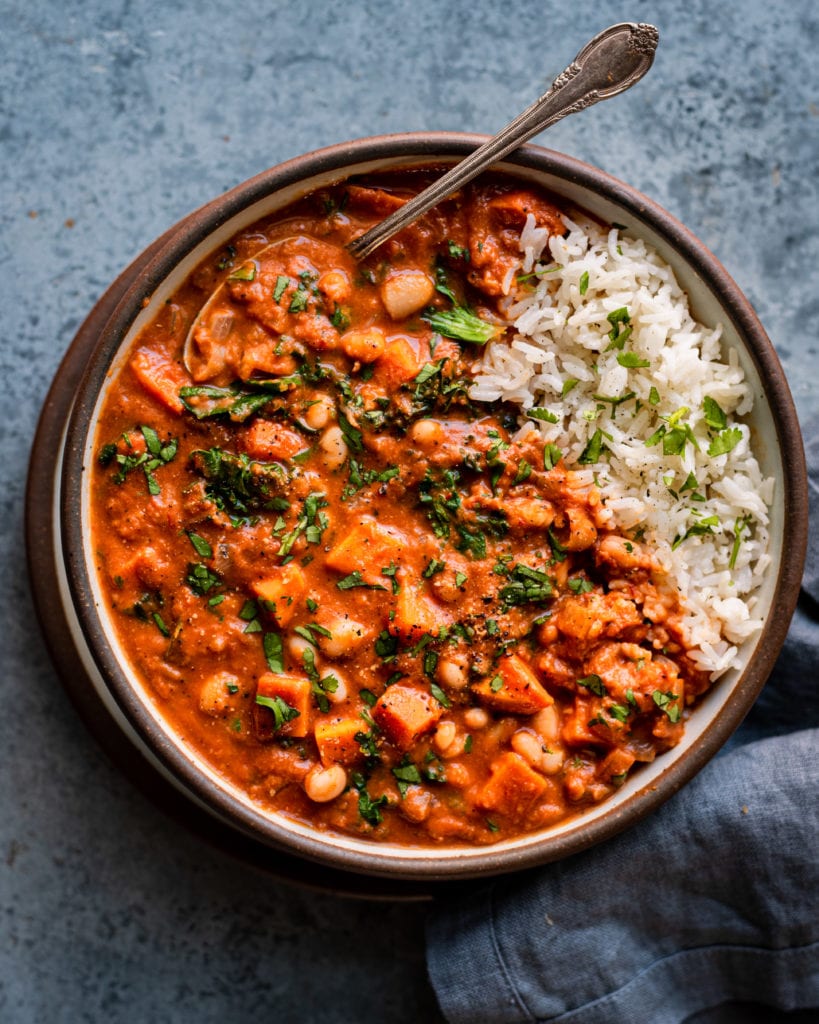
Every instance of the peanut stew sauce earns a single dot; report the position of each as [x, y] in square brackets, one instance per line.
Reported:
[347, 586]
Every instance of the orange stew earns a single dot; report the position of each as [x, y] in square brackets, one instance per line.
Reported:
[349, 587]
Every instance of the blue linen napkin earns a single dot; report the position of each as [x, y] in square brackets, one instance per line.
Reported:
[709, 904]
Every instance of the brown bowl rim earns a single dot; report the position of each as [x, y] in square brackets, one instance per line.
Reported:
[436, 862]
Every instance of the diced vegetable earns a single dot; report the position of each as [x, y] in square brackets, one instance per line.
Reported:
[365, 548]
[416, 614]
[513, 688]
[404, 713]
[294, 691]
[336, 740]
[513, 786]
[160, 378]
[281, 592]
[267, 439]
[397, 364]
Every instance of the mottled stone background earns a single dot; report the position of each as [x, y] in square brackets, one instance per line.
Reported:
[117, 118]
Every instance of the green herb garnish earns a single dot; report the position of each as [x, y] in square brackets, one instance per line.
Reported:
[282, 711]
[462, 324]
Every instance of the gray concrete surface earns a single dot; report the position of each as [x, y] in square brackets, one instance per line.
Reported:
[118, 117]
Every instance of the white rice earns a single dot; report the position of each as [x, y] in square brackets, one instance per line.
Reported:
[560, 336]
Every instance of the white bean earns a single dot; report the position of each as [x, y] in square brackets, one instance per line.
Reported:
[324, 784]
[297, 645]
[346, 637]
[452, 672]
[333, 447]
[405, 292]
[476, 718]
[546, 724]
[319, 414]
[339, 695]
[445, 735]
[427, 433]
[552, 761]
[529, 747]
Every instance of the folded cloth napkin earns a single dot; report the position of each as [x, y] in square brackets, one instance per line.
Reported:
[710, 903]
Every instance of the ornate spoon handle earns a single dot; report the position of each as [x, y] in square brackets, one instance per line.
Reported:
[607, 65]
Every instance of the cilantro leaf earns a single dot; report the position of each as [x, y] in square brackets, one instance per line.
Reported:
[725, 442]
[714, 415]
[282, 711]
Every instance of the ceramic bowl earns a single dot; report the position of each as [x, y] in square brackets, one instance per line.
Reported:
[714, 298]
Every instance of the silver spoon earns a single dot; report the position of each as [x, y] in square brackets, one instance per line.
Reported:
[607, 65]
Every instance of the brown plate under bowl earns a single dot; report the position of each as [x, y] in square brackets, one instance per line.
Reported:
[207, 800]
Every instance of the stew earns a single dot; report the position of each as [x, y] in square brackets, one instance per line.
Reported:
[351, 588]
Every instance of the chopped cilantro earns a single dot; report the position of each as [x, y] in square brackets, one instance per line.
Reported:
[355, 580]
[282, 711]
[551, 456]
[369, 809]
[618, 711]
[526, 586]
[351, 435]
[273, 652]
[247, 272]
[740, 525]
[699, 529]
[439, 695]
[725, 442]
[667, 702]
[714, 415]
[632, 360]
[200, 579]
[523, 473]
[542, 414]
[201, 546]
[434, 566]
[593, 683]
[593, 451]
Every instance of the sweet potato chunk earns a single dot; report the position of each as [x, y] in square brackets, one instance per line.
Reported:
[397, 364]
[576, 731]
[404, 714]
[615, 764]
[368, 548]
[295, 692]
[161, 379]
[512, 787]
[281, 591]
[266, 439]
[336, 740]
[415, 615]
[514, 688]
[587, 617]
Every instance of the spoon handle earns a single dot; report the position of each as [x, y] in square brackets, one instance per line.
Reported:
[607, 65]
